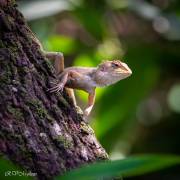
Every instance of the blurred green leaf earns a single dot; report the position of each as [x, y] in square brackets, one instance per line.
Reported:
[131, 166]
[92, 20]
[64, 44]
[174, 98]
[110, 48]
[84, 60]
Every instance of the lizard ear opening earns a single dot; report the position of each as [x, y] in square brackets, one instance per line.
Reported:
[101, 67]
[104, 65]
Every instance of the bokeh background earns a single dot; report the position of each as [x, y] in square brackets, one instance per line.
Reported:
[140, 114]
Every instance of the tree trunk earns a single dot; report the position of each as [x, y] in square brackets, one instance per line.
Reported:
[40, 131]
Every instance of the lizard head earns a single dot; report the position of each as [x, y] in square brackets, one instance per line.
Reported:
[109, 72]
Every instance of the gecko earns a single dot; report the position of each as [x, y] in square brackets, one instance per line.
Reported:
[86, 78]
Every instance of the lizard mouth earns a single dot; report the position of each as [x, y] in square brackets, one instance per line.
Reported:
[126, 71]
[123, 69]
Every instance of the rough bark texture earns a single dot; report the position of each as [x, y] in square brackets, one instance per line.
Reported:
[39, 131]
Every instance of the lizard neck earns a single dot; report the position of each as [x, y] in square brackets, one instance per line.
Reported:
[102, 79]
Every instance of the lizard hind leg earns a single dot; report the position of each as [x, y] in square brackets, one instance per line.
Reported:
[58, 60]
[70, 93]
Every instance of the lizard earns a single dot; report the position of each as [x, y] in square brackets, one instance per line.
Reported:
[86, 78]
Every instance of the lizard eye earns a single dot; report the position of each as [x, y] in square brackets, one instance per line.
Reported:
[114, 65]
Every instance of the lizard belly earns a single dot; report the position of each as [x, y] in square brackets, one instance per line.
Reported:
[84, 83]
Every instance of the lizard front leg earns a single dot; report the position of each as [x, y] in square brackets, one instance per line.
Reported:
[91, 100]
[63, 80]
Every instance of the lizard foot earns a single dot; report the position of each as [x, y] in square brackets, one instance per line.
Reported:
[87, 110]
[57, 88]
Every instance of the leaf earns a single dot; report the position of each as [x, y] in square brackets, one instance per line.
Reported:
[63, 44]
[92, 21]
[131, 166]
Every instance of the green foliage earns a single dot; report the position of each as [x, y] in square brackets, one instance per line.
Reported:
[84, 60]
[174, 99]
[91, 19]
[63, 44]
[128, 167]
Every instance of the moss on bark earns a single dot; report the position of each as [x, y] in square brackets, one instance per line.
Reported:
[39, 131]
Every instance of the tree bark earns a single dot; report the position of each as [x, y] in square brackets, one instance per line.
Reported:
[40, 131]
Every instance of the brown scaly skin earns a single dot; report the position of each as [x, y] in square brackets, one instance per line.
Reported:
[87, 78]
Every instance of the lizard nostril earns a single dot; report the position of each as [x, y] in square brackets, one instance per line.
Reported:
[129, 72]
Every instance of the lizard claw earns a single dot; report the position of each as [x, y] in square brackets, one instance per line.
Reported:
[57, 88]
[87, 111]
[55, 83]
